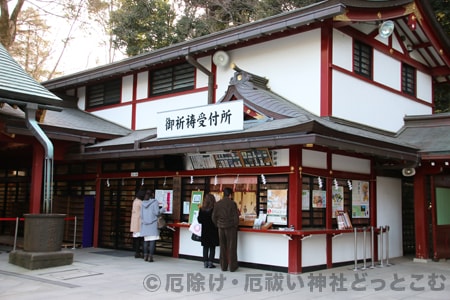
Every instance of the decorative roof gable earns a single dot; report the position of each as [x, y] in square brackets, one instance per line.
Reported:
[260, 103]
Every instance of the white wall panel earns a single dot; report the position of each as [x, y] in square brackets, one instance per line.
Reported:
[424, 87]
[344, 247]
[120, 115]
[291, 64]
[146, 113]
[189, 247]
[314, 159]
[350, 164]
[201, 79]
[314, 250]
[81, 93]
[396, 44]
[263, 248]
[382, 109]
[142, 86]
[342, 50]
[387, 70]
[127, 88]
[389, 212]
[250, 245]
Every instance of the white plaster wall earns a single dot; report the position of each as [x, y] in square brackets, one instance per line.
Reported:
[342, 48]
[386, 70]
[201, 79]
[355, 104]
[344, 247]
[350, 164]
[81, 93]
[396, 44]
[189, 247]
[120, 115]
[362, 102]
[314, 250]
[260, 248]
[389, 212]
[292, 65]
[146, 112]
[142, 86]
[314, 159]
[263, 248]
[127, 89]
[424, 87]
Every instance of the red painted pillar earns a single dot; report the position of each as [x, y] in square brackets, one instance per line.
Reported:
[329, 212]
[295, 210]
[420, 216]
[373, 210]
[37, 170]
[326, 76]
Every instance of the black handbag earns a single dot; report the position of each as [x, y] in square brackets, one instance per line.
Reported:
[196, 238]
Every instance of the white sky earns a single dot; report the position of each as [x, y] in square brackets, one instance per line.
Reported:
[86, 49]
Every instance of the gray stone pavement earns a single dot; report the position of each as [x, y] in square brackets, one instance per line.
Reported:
[98, 273]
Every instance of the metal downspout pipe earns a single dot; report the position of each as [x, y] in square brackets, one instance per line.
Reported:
[195, 63]
[33, 126]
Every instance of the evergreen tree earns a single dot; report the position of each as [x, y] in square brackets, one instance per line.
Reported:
[143, 25]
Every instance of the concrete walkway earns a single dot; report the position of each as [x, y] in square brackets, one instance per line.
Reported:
[111, 274]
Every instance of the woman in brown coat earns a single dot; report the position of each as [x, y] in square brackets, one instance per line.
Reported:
[210, 235]
[135, 224]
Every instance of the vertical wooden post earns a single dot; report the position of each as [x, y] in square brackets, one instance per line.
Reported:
[36, 178]
[329, 210]
[420, 216]
[295, 209]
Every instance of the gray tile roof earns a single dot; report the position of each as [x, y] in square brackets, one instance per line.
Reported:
[429, 133]
[259, 97]
[18, 85]
[131, 138]
[73, 118]
[70, 120]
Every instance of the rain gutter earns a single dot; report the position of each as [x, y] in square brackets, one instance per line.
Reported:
[33, 126]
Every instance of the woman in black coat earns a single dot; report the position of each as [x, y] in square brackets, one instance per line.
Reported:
[210, 235]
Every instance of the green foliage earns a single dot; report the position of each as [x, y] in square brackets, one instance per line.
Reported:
[143, 25]
[442, 10]
[442, 98]
[201, 17]
[442, 91]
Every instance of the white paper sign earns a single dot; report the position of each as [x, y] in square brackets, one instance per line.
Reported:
[214, 118]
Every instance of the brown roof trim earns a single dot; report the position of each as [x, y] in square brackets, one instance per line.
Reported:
[266, 141]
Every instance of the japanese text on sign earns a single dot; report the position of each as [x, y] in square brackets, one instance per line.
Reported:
[279, 282]
[201, 120]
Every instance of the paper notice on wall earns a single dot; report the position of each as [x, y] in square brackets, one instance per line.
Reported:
[165, 198]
